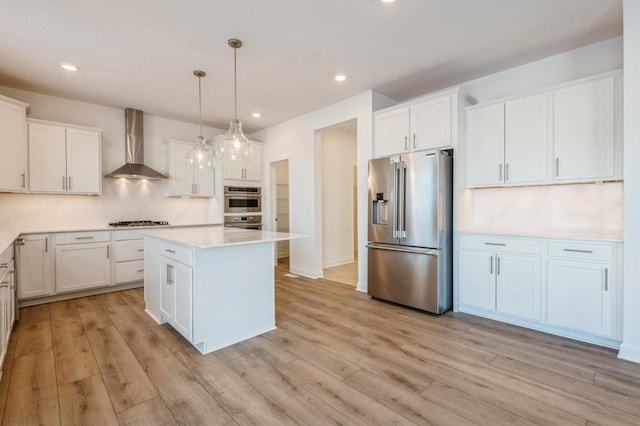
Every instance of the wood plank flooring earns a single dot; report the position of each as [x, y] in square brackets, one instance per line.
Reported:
[337, 357]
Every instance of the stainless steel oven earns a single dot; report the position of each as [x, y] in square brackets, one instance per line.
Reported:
[242, 199]
[244, 222]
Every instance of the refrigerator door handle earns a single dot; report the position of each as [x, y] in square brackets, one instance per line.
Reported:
[402, 230]
[429, 252]
[395, 200]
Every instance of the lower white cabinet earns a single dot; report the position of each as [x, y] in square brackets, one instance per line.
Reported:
[565, 287]
[581, 287]
[7, 300]
[83, 260]
[500, 281]
[36, 266]
[176, 295]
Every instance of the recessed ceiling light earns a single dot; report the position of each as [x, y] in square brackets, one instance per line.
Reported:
[340, 77]
[256, 115]
[69, 67]
[388, 1]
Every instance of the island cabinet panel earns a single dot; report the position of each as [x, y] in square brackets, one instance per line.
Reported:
[176, 295]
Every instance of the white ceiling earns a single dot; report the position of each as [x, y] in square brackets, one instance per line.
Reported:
[142, 53]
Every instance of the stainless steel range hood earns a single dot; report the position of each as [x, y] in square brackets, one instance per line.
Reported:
[134, 145]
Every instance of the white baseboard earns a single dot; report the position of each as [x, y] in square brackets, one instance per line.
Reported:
[306, 273]
[629, 352]
[338, 262]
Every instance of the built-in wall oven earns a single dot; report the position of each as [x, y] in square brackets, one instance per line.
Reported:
[242, 199]
[244, 222]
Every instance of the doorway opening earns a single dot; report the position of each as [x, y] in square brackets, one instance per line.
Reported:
[280, 209]
[339, 203]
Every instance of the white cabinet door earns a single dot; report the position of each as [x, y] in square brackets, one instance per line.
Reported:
[391, 132]
[518, 285]
[584, 131]
[526, 140]
[249, 170]
[183, 181]
[579, 295]
[13, 145]
[47, 158]
[183, 300]
[83, 162]
[82, 266]
[477, 279]
[36, 276]
[431, 125]
[485, 145]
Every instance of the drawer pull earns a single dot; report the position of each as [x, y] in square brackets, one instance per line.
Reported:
[84, 238]
[579, 251]
[169, 251]
[495, 244]
[140, 270]
[140, 249]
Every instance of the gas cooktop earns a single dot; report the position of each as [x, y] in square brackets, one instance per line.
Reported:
[133, 223]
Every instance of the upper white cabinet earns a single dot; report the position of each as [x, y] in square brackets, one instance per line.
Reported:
[507, 142]
[571, 133]
[183, 181]
[426, 123]
[13, 145]
[249, 170]
[64, 159]
[584, 131]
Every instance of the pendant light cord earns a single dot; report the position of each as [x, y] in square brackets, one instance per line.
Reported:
[235, 82]
[200, 106]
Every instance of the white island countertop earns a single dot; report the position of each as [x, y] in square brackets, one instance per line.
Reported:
[220, 236]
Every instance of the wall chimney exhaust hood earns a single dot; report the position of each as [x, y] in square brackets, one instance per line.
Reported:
[134, 146]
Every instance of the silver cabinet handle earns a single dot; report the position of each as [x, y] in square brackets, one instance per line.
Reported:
[169, 251]
[579, 251]
[606, 279]
[414, 141]
[406, 140]
[108, 247]
[491, 265]
[140, 249]
[500, 172]
[557, 166]
[46, 244]
[69, 183]
[24, 182]
[84, 238]
[169, 280]
[64, 183]
[498, 265]
[140, 270]
[506, 172]
[495, 244]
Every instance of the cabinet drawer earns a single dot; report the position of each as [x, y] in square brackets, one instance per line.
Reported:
[129, 271]
[178, 253]
[499, 244]
[129, 250]
[129, 234]
[82, 237]
[578, 250]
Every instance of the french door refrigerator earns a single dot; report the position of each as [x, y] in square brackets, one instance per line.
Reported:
[410, 230]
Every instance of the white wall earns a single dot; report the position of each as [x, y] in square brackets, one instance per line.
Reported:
[338, 161]
[121, 199]
[296, 139]
[630, 348]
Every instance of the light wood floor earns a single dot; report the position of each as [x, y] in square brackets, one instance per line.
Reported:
[337, 357]
[344, 274]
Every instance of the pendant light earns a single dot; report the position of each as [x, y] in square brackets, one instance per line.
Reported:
[200, 157]
[235, 144]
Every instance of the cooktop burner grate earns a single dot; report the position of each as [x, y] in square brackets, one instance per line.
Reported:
[133, 223]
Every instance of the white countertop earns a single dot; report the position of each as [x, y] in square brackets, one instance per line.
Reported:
[604, 237]
[218, 237]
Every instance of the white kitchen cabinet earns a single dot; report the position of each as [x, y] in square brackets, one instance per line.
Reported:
[82, 260]
[36, 266]
[429, 122]
[128, 256]
[584, 132]
[183, 181]
[13, 145]
[176, 287]
[7, 300]
[249, 170]
[500, 274]
[507, 142]
[64, 159]
[581, 284]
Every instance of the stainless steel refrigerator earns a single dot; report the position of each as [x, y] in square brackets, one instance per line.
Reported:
[410, 230]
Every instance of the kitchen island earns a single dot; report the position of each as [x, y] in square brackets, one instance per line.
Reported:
[215, 286]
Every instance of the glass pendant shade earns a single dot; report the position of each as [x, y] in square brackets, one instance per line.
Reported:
[235, 144]
[200, 157]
